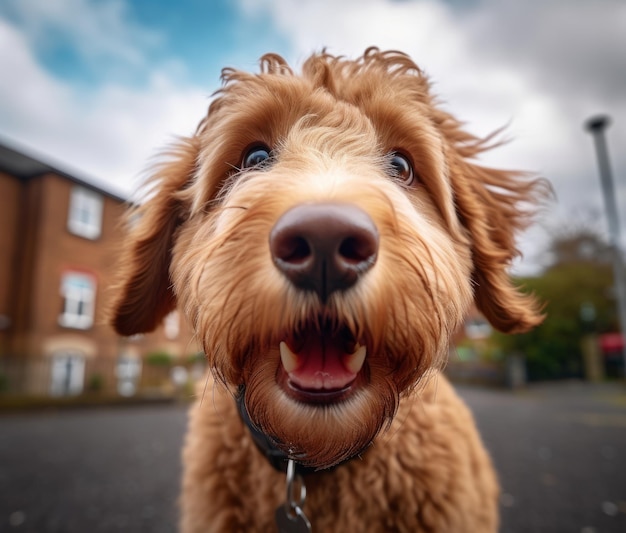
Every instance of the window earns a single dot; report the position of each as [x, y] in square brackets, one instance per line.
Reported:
[477, 327]
[172, 326]
[128, 372]
[67, 374]
[85, 215]
[79, 294]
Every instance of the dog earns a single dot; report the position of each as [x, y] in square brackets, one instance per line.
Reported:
[325, 234]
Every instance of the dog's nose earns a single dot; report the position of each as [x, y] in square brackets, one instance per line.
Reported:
[324, 247]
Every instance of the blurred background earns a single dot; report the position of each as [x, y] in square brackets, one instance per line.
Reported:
[91, 90]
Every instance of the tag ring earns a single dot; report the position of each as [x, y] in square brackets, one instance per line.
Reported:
[294, 479]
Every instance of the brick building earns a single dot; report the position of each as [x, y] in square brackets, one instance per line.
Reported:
[58, 241]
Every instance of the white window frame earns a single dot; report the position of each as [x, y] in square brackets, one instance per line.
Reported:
[171, 325]
[78, 291]
[85, 213]
[128, 372]
[67, 374]
[477, 327]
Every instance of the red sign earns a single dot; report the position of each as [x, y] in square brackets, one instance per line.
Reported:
[611, 342]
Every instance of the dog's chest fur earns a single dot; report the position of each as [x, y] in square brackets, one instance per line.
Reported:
[429, 472]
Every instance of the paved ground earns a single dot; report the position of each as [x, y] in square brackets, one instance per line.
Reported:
[560, 451]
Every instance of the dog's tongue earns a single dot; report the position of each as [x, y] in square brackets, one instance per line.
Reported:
[321, 364]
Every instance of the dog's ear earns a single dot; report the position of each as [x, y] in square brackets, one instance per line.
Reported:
[143, 295]
[491, 206]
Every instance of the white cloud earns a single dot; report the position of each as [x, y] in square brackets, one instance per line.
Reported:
[350, 26]
[97, 31]
[109, 133]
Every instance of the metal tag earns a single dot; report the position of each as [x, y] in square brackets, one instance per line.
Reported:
[296, 523]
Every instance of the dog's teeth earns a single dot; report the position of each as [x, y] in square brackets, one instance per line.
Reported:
[355, 361]
[288, 358]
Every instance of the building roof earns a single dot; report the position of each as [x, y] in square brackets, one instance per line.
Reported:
[18, 163]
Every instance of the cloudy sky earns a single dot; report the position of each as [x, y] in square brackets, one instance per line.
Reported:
[96, 87]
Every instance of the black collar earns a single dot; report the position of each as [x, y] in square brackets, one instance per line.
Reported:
[267, 446]
[275, 456]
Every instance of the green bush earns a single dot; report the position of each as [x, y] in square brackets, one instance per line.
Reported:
[96, 383]
[159, 358]
[198, 357]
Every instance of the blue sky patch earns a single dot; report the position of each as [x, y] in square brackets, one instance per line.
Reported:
[194, 38]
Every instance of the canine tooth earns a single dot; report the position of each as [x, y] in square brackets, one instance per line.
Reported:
[355, 361]
[288, 358]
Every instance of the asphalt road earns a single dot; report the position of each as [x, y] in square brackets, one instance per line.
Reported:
[560, 451]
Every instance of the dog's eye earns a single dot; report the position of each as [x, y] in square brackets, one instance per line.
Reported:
[402, 168]
[255, 156]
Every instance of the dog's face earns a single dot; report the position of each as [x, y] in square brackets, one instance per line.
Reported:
[325, 234]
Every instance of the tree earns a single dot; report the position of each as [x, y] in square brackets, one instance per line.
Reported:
[577, 291]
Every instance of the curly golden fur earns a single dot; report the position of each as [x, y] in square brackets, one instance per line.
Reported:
[443, 241]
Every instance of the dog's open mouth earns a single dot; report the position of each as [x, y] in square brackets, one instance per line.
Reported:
[320, 365]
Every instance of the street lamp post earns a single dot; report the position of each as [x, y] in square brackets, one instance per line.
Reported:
[596, 125]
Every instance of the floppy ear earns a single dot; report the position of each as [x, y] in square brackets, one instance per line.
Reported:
[493, 205]
[143, 295]
[488, 206]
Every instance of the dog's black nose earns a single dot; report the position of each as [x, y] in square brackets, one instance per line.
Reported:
[324, 247]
